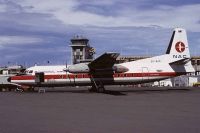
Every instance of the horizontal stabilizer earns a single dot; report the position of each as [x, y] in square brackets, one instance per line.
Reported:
[180, 62]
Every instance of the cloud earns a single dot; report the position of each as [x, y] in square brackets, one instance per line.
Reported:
[98, 3]
[9, 6]
[116, 14]
[43, 29]
[19, 40]
[71, 12]
[47, 6]
[129, 40]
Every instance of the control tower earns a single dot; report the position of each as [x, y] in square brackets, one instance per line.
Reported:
[81, 50]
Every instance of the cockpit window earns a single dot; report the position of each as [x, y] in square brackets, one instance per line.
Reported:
[31, 71]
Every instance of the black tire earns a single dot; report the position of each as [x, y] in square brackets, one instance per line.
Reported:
[31, 89]
[92, 90]
[101, 90]
[19, 90]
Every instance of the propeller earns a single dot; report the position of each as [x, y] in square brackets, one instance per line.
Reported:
[66, 69]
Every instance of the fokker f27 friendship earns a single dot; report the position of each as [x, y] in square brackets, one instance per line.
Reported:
[103, 70]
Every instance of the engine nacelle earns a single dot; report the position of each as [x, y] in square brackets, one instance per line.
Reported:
[78, 68]
[115, 68]
[83, 68]
[120, 69]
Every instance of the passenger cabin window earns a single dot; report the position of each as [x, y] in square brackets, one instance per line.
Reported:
[198, 62]
[1, 71]
[193, 62]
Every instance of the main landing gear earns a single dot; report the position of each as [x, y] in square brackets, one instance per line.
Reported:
[19, 89]
[97, 86]
[99, 89]
[25, 89]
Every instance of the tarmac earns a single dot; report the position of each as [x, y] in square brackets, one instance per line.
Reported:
[119, 110]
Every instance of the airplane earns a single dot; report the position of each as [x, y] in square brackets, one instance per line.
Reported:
[103, 70]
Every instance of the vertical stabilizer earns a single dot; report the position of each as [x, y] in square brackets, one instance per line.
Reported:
[178, 46]
[178, 51]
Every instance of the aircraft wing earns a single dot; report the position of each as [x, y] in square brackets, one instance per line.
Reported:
[104, 62]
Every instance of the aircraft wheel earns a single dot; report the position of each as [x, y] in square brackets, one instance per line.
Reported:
[19, 89]
[101, 90]
[31, 89]
[92, 90]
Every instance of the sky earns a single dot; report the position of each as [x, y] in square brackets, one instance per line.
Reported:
[38, 31]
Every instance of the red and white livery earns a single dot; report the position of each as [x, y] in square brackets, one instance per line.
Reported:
[103, 70]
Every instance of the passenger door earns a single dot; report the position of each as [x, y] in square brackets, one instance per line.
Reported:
[145, 73]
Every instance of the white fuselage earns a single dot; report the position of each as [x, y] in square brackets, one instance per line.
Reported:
[145, 70]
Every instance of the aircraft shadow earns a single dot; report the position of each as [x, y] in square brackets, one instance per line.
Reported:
[121, 91]
[114, 93]
[109, 92]
[151, 91]
[143, 91]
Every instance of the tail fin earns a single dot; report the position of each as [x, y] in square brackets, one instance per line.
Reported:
[178, 46]
[178, 51]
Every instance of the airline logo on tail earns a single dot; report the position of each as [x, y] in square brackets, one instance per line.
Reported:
[180, 47]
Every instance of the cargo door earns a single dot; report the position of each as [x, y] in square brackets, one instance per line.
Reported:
[39, 78]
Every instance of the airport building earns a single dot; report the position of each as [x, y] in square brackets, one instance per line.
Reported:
[12, 70]
[81, 50]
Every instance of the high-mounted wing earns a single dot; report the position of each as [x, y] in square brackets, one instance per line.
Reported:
[102, 67]
[104, 62]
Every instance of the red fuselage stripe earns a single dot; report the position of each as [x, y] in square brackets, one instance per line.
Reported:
[82, 76]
